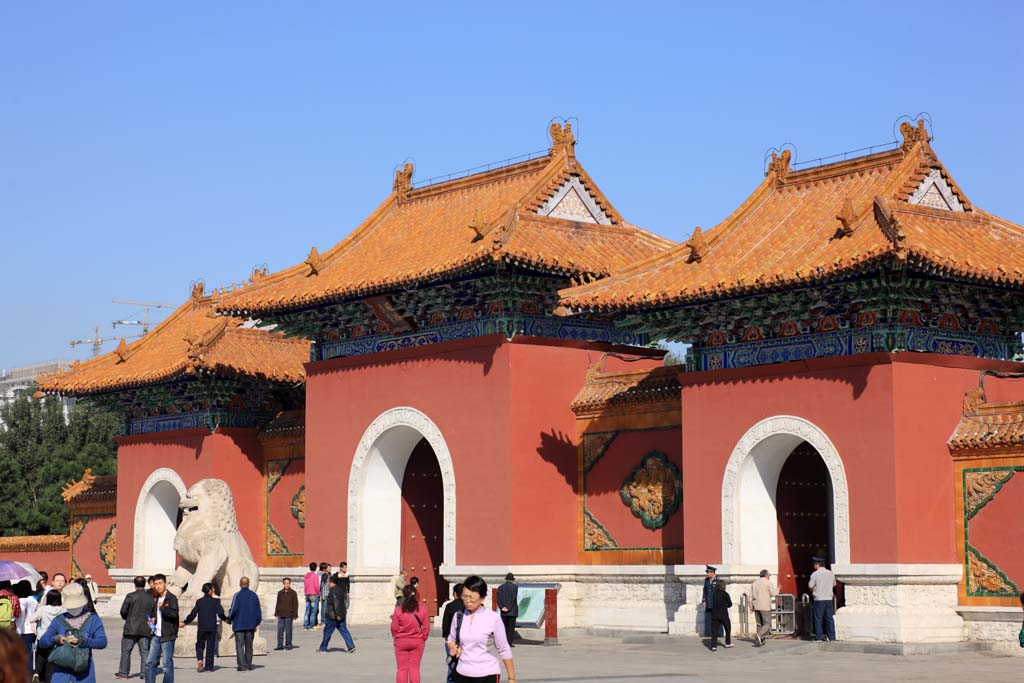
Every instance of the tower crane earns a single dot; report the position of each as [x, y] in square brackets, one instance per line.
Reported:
[146, 306]
[98, 341]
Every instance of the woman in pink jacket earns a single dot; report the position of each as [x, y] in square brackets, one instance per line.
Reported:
[410, 627]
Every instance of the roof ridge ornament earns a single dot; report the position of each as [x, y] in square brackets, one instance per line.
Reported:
[315, 262]
[698, 246]
[122, 351]
[562, 139]
[913, 134]
[403, 181]
[198, 292]
[847, 217]
[478, 225]
[889, 222]
[779, 166]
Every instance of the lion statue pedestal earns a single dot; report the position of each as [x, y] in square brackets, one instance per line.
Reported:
[185, 645]
[212, 550]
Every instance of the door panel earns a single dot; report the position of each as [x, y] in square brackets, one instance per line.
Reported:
[423, 524]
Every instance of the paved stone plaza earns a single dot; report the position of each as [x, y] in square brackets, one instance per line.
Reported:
[582, 657]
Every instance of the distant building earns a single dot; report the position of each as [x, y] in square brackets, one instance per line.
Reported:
[15, 382]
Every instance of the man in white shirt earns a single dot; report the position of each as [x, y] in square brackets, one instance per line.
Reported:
[94, 590]
[822, 584]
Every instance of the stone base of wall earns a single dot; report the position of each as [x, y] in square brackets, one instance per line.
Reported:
[900, 603]
[997, 626]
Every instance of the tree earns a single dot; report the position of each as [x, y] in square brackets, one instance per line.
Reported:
[40, 451]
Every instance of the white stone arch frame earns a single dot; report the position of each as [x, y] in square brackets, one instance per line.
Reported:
[749, 521]
[375, 487]
[164, 476]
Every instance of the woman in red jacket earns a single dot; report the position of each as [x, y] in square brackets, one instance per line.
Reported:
[410, 627]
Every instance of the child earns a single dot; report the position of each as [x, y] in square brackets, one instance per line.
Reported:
[720, 615]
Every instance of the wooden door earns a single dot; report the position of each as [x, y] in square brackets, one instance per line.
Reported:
[803, 501]
[423, 525]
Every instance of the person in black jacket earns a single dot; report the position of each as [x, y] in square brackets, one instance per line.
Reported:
[335, 614]
[448, 616]
[164, 622]
[135, 611]
[720, 616]
[508, 604]
[208, 609]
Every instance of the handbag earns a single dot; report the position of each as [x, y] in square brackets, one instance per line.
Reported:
[454, 662]
[71, 657]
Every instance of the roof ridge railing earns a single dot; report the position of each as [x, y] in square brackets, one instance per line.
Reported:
[494, 165]
[844, 156]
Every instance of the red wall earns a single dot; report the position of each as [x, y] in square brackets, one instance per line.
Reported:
[279, 507]
[889, 417]
[605, 479]
[504, 411]
[50, 561]
[231, 454]
[87, 549]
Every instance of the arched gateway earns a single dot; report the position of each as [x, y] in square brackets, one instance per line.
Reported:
[751, 493]
[156, 520]
[390, 497]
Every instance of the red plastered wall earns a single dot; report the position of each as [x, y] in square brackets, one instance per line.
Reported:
[849, 399]
[504, 410]
[606, 477]
[544, 380]
[86, 552]
[462, 387]
[233, 455]
[49, 561]
[279, 507]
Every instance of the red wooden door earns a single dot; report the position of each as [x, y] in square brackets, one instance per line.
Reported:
[803, 501]
[423, 524]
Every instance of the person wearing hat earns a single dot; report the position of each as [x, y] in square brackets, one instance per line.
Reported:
[94, 590]
[822, 585]
[508, 606]
[77, 626]
[707, 601]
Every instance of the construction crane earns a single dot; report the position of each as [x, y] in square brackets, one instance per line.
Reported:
[146, 305]
[98, 341]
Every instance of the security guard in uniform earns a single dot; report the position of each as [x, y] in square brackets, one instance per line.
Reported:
[708, 597]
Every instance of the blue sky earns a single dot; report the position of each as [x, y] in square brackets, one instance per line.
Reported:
[145, 145]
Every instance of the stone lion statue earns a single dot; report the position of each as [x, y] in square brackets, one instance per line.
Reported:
[210, 545]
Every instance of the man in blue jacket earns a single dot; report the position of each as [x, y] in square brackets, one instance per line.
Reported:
[245, 616]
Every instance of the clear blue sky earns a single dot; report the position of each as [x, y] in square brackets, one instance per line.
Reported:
[143, 147]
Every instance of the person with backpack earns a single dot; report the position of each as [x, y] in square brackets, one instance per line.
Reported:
[72, 637]
[10, 606]
[410, 628]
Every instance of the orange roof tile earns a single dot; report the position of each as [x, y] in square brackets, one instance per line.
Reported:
[192, 339]
[429, 233]
[607, 389]
[811, 225]
[987, 425]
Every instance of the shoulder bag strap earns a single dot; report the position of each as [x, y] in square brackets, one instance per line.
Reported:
[458, 628]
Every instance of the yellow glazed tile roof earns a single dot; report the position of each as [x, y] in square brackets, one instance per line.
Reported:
[192, 339]
[800, 227]
[427, 234]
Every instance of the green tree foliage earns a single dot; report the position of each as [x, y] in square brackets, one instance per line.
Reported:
[40, 451]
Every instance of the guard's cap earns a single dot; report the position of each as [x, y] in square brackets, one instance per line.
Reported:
[819, 560]
[709, 568]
